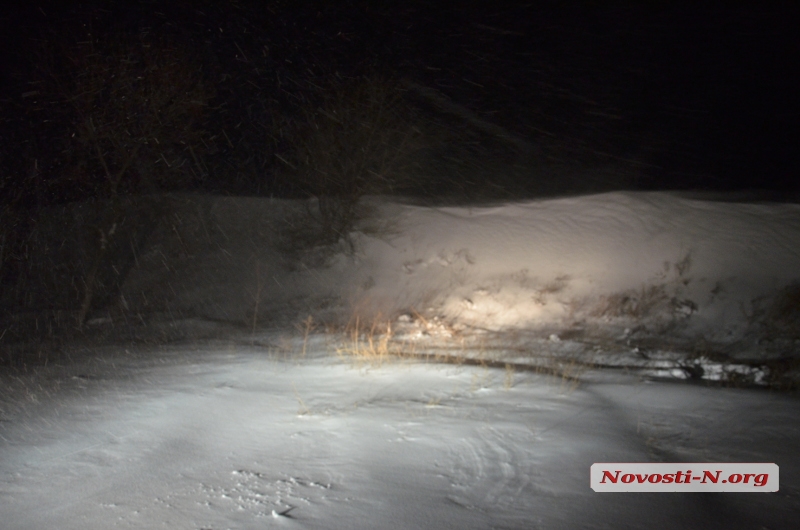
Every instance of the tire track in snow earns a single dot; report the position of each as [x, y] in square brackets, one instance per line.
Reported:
[490, 470]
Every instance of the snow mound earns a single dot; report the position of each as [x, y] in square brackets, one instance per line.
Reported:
[651, 262]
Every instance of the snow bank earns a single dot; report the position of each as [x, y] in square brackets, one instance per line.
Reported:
[646, 262]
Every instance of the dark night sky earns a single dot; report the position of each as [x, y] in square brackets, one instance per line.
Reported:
[698, 98]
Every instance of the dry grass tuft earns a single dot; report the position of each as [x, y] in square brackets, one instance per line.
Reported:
[369, 344]
[376, 343]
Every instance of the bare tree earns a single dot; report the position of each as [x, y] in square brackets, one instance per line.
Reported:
[137, 102]
[357, 140]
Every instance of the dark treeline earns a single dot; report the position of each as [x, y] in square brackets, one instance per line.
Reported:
[249, 69]
[530, 99]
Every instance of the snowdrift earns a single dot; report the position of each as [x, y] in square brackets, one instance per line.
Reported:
[617, 264]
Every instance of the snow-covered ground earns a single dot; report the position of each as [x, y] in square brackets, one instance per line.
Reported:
[570, 325]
